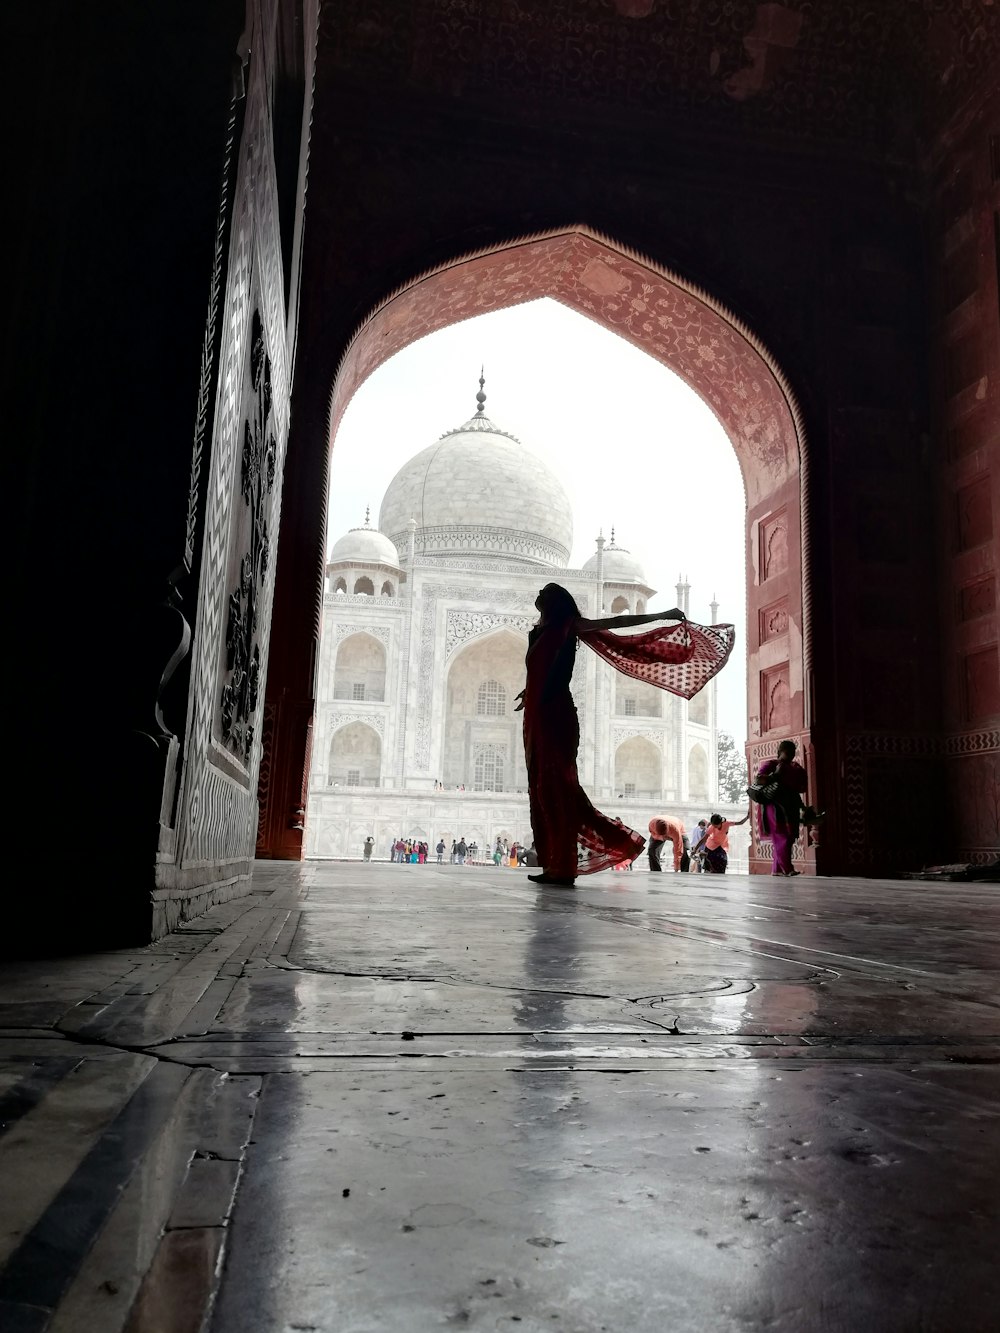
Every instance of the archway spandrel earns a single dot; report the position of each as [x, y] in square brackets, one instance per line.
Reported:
[651, 309]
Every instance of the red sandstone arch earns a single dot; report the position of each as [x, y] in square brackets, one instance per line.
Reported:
[718, 357]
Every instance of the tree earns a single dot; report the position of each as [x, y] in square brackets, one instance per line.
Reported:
[732, 770]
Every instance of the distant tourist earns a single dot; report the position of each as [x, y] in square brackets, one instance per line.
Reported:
[440, 852]
[454, 851]
[461, 850]
[780, 817]
[681, 658]
[715, 842]
[696, 836]
[661, 830]
[369, 847]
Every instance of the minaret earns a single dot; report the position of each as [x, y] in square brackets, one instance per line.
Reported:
[411, 545]
[714, 608]
[683, 590]
[600, 569]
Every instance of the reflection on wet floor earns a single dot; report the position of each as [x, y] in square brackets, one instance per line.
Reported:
[383, 1098]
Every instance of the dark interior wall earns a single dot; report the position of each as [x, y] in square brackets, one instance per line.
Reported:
[964, 249]
[121, 113]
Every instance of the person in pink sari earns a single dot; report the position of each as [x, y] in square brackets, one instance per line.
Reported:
[780, 819]
[681, 658]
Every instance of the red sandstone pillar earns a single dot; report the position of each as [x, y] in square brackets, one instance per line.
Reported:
[294, 650]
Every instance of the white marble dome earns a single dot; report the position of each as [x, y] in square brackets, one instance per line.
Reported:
[364, 546]
[620, 565]
[478, 492]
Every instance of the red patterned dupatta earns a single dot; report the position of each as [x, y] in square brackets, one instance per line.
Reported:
[681, 658]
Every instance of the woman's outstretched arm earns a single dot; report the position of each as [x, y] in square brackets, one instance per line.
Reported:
[627, 622]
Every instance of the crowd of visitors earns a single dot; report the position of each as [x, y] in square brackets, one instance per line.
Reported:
[413, 851]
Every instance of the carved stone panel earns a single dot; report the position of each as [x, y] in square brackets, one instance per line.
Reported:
[773, 546]
[774, 621]
[973, 514]
[249, 555]
[775, 699]
[217, 807]
[977, 599]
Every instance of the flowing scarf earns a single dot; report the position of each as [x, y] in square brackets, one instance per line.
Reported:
[681, 658]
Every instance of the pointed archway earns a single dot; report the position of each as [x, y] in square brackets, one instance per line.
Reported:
[688, 331]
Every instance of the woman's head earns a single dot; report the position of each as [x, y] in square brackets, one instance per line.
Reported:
[716, 820]
[786, 750]
[556, 604]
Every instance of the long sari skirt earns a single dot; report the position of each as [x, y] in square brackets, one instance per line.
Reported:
[563, 819]
[780, 822]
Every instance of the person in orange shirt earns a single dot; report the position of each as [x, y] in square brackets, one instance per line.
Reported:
[714, 842]
[665, 829]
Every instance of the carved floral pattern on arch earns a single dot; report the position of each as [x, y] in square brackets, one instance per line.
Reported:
[652, 311]
[257, 475]
[465, 625]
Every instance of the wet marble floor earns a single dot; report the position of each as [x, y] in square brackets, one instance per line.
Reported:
[408, 1098]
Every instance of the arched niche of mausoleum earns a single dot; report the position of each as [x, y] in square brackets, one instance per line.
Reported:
[359, 669]
[640, 606]
[620, 605]
[387, 590]
[638, 769]
[698, 774]
[482, 733]
[355, 756]
[637, 698]
[340, 585]
[698, 708]
[363, 587]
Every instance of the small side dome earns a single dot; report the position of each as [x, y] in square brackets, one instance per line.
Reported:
[364, 546]
[620, 565]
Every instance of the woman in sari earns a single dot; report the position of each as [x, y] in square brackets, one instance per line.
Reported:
[680, 658]
[779, 819]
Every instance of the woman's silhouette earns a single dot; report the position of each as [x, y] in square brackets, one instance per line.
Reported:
[680, 658]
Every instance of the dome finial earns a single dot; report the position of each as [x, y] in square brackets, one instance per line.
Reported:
[612, 536]
[368, 510]
[481, 396]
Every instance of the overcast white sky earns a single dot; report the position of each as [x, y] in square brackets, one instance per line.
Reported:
[635, 448]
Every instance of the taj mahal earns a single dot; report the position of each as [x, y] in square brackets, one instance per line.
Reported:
[425, 627]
